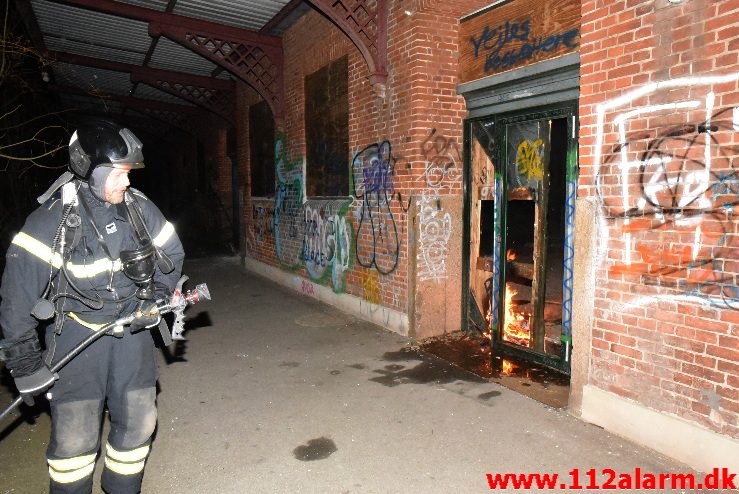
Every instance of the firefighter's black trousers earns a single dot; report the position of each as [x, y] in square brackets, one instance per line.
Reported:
[119, 373]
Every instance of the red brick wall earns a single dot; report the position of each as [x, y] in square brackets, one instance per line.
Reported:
[246, 96]
[218, 159]
[217, 195]
[419, 119]
[659, 148]
[426, 126]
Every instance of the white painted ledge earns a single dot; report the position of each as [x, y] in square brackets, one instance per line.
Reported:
[672, 436]
[389, 319]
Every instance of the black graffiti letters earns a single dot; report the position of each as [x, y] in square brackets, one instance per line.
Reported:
[492, 44]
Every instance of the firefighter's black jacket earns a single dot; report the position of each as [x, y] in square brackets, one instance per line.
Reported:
[31, 265]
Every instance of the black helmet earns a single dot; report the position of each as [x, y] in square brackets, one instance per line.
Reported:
[103, 143]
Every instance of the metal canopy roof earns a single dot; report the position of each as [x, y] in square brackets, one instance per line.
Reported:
[169, 59]
[104, 55]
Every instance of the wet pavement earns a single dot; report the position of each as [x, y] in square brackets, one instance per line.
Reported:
[475, 355]
[275, 393]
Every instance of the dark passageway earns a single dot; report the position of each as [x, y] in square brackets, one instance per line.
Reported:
[274, 392]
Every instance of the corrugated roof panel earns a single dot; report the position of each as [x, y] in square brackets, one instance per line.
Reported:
[86, 103]
[251, 14]
[88, 50]
[86, 26]
[144, 91]
[92, 79]
[75, 30]
[159, 5]
[168, 55]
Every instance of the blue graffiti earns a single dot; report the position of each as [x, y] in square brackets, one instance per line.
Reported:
[568, 278]
[497, 239]
[287, 220]
[378, 177]
[372, 173]
[327, 242]
[501, 36]
[493, 43]
[725, 190]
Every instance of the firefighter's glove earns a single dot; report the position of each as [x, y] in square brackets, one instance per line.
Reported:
[35, 383]
[146, 315]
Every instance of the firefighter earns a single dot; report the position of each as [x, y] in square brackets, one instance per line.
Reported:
[66, 264]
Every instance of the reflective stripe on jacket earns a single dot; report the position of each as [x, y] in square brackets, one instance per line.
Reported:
[31, 263]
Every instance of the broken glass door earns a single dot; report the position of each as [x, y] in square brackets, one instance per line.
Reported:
[521, 228]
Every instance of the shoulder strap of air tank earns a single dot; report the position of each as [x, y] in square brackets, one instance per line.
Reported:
[136, 217]
[136, 214]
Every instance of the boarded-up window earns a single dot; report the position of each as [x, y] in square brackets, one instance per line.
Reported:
[327, 130]
[262, 152]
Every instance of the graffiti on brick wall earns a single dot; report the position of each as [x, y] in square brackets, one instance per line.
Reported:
[307, 288]
[288, 212]
[510, 44]
[372, 178]
[443, 171]
[371, 286]
[443, 161]
[327, 242]
[672, 190]
[262, 223]
[435, 231]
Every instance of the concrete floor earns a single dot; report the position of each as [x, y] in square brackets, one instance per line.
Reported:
[276, 393]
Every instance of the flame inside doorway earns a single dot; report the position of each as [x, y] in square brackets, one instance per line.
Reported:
[516, 327]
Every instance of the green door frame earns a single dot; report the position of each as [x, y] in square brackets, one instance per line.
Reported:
[566, 110]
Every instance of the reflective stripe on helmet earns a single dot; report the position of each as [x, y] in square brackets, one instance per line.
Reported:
[134, 157]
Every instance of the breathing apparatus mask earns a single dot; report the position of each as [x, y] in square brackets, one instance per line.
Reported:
[138, 265]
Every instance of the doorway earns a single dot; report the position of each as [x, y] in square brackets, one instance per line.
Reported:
[521, 181]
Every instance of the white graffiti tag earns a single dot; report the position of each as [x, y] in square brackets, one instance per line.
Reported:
[435, 231]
